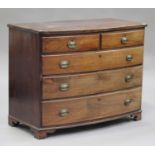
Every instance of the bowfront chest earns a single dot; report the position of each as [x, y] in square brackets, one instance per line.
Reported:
[74, 73]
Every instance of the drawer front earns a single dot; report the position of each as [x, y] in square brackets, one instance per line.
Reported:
[60, 112]
[91, 61]
[91, 83]
[70, 43]
[122, 39]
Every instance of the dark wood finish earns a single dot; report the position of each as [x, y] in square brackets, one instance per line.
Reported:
[41, 134]
[130, 115]
[89, 108]
[24, 76]
[60, 44]
[137, 116]
[91, 61]
[113, 39]
[100, 76]
[91, 83]
[12, 122]
[91, 122]
[78, 26]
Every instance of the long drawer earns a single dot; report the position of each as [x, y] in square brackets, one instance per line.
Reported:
[68, 111]
[91, 61]
[91, 83]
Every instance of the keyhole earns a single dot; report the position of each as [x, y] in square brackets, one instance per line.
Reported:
[100, 56]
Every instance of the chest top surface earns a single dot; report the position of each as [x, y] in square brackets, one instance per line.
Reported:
[78, 26]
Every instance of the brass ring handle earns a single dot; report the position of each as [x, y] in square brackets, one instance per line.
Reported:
[128, 101]
[129, 57]
[124, 40]
[64, 87]
[64, 64]
[128, 78]
[63, 112]
[71, 44]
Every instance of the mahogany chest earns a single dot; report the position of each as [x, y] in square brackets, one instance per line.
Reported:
[73, 73]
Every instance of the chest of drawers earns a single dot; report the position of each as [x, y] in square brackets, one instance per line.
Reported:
[74, 73]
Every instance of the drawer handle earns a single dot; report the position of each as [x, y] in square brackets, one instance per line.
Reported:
[128, 78]
[124, 40]
[129, 57]
[127, 101]
[63, 112]
[64, 87]
[64, 64]
[71, 44]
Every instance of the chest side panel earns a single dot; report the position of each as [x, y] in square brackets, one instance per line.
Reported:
[24, 76]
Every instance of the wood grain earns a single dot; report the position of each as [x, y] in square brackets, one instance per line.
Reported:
[78, 26]
[112, 40]
[95, 71]
[91, 61]
[90, 108]
[24, 76]
[91, 83]
[60, 44]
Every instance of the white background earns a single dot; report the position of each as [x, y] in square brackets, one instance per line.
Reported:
[148, 92]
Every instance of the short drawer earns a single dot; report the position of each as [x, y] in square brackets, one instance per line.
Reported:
[91, 83]
[68, 111]
[122, 39]
[70, 43]
[91, 61]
